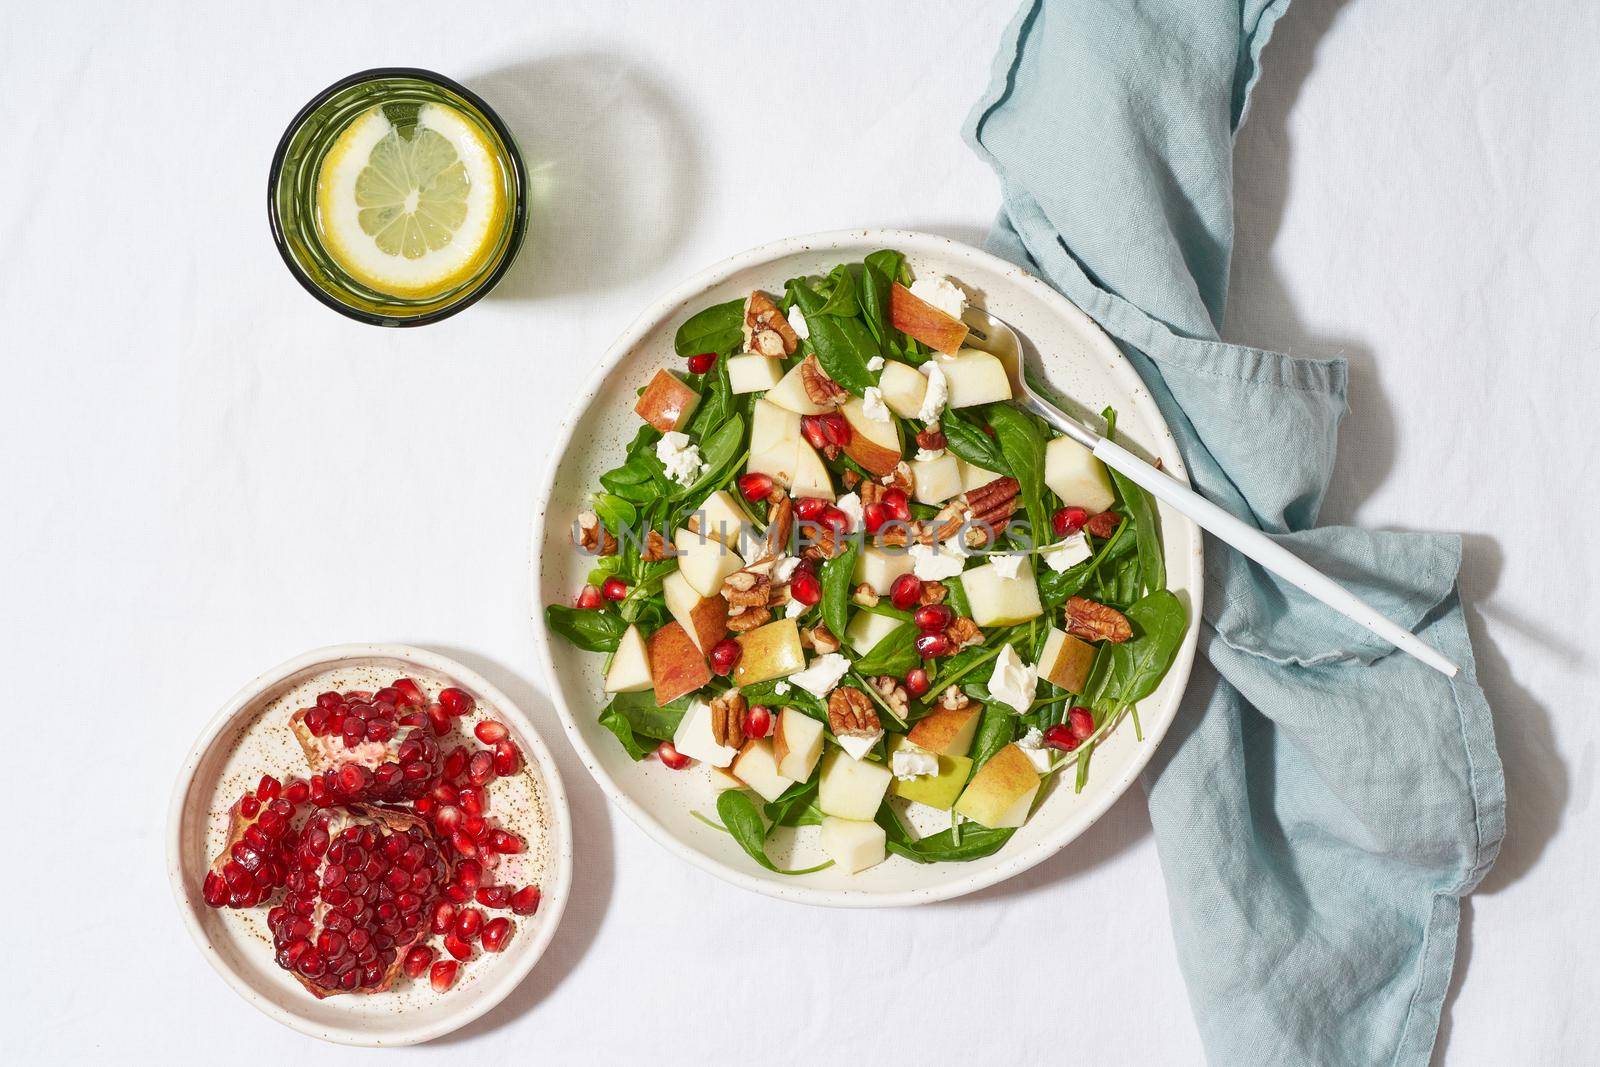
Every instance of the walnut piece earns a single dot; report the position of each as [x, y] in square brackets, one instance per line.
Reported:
[727, 719]
[932, 439]
[953, 699]
[893, 694]
[819, 639]
[963, 632]
[1093, 621]
[932, 593]
[766, 329]
[864, 596]
[850, 712]
[821, 389]
[594, 538]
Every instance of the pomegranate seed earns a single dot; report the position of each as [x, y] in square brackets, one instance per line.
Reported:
[590, 598]
[410, 692]
[444, 917]
[614, 588]
[1068, 520]
[471, 800]
[525, 901]
[417, 961]
[724, 654]
[931, 617]
[1060, 737]
[873, 516]
[507, 758]
[815, 435]
[805, 587]
[494, 896]
[506, 843]
[488, 731]
[458, 948]
[469, 873]
[438, 719]
[387, 695]
[835, 428]
[215, 890]
[455, 763]
[809, 507]
[317, 721]
[468, 923]
[447, 818]
[755, 486]
[757, 721]
[249, 806]
[917, 683]
[906, 591]
[496, 932]
[443, 975]
[269, 788]
[898, 504]
[297, 791]
[463, 844]
[480, 768]
[1080, 721]
[671, 756]
[702, 362]
[455, 701]
[834, 519]
[329, 701]
[930, 645]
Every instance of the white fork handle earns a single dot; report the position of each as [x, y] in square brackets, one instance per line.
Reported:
[1267, 552]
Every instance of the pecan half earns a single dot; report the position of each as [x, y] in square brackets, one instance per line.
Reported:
[893, 694]
[953, 699]
[780, 524]
[864, 596]
[594, 538]
[900, 478]
[749, 619]
[851, 479]
[745, 589]
[655, 547]
[820, 542]
[819, 639]
[932, 439]
[991, 507]
[1104, 524]
[850, 712]
[870, 492]
[821, 389]
[963, 632]
[932, 593]
[1093, 621]
[727, 719]
[766, 330]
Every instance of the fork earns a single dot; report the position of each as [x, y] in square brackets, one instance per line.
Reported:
[1001, 341]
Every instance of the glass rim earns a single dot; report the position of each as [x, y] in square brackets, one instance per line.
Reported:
[518, 214]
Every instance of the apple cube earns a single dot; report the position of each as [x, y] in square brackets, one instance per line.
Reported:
[1001, 794]
[946, 732]
[780, 461]
[1074, 475]
[694, 738]
[768, 652]
[1000, 601]
[796, 744]
[853, 844]
[676, 665]
[757, 768]
[721, 778]
[719, 518]
[753, 374]
[975, 477]
[974, 377]
[1065, 661]
[935, 790]
[903, 388]
[873, 444]
[704, 563]
[790, 393]
[879, 567]
[866, 629]
[811, 477]
[630, 665]
[851, 788]
[772, 426]
[667, 403]
[936, 480]
[915, 317]
[703, 618]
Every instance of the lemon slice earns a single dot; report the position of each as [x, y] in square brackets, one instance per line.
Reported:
[414, 216]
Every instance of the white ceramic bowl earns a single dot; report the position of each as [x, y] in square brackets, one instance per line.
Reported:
[1081, 362]
[247, 738]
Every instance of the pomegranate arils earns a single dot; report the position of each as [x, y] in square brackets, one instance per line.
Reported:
[215, 890]
[417, 961]
[811, 429]
[471, 800]
[249, 806]
[589, 598]
[898, 504]
[507, 758]
[755, 486]
[506, 843]
[443, 918]
[906, 591]
[525, 901]
[806, 588]
[917, 683]
[1060, 737]
[496, 932]
[443, 975]
[480, 768]
[1080, 721]
[409, 692]
[671, 757]
[468, 923]
[614, 588]
[873, 516]
[269, 787]
[809, 507]
[494, 896]
[490, 731]
[457, 947]
[724, 654]
[297, 791]
[455, 701]
[1068, 520]
[930, 645]
[757, 721]
[933, 617]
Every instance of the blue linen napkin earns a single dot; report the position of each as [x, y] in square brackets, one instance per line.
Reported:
[1321, 803]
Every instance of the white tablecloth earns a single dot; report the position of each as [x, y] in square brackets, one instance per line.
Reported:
[207, 472]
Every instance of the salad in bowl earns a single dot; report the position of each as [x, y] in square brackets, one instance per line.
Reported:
[839, 574]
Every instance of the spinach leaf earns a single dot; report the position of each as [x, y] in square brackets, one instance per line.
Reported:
[742, 822]
[968, 441]
[797, 698]
[995, 731]
[894, 654]
[891, 264]
[836, 574]
[1141, 509]
[716, 404]
[975, 842]
[618, 724]
[1056, 586]
[1126, 673]
[796, 806]
[590, 630]
[842, 345]
[840, 288]
[639, 724]
[716, 329]
[617, 513]
[1022, 445]
[718, 452]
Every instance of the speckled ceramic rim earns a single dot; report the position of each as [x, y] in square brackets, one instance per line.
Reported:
[386, 1031]
[858, 242]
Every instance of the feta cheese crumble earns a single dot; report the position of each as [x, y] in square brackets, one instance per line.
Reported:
[794, 609]
[938, 392]
[797, 323]
[942, 293]
[821, 676]
[1013, 681]
[928, 455]
[908, 763]
[872, 405]
[784, 568]
[858, 745]
[1008, 565]
[780, 687]
[1069, 553]
[934, 563]
[1032, 745]
[681, 459]
[850, 504]
[875, 363]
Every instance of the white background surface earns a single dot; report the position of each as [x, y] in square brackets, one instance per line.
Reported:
[206, 472]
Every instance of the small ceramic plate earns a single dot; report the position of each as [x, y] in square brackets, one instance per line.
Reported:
[249, 737]
[1081, 364]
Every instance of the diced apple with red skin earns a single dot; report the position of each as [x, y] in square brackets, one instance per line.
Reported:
[1066, 661]
[796, 744]
[703, 618]
[768, 652]
[1001, 794]
[667, 403]
[975, 377]
[873, 444]
[677, 667]
[946, 732]
[630, 665]
[915, 317]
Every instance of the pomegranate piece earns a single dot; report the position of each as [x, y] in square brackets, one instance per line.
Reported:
[906, 591]
[702, 362]
[468, 923]
[834, 519]
[1068, 520]
[410, 693]
[471, 800]
[494, 896]
[443, 975]
[614, 588]
[480, 768]
[873, 516]
[932, 618]
[443, 917]
[506, 843]
[455, 701]
[496, 932]
[457, 947]
[823, 430]
[755, 486]
[898, 504]
[724, 655]
[488, 731]
[670, 756]
[815, 435]
[757, 721]
[917, 683]
[269, 788]
[525, 901]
